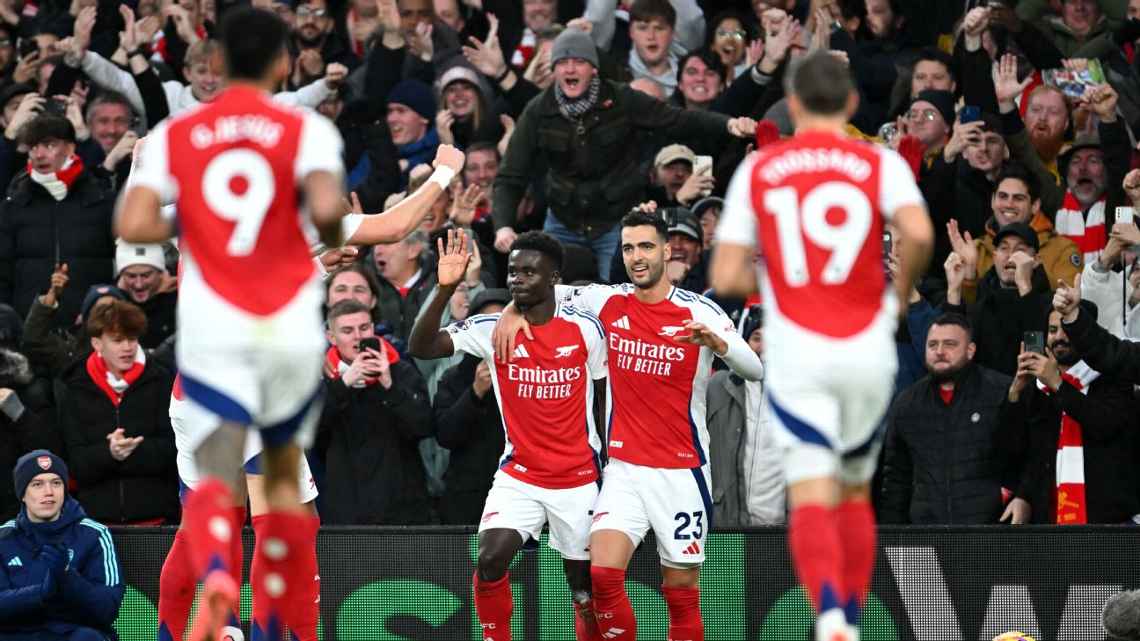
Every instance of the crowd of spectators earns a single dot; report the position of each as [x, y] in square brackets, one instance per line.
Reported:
[572, 113]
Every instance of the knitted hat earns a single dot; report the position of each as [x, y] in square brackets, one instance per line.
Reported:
[943, 101]
[95, 292]
[573, 43]
[129, 254]
[34, 463]
[414, 95]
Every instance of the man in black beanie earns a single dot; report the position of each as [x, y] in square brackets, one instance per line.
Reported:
[61, 575]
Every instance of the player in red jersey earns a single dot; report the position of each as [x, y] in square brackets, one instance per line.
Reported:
[239, 170]
[660, 342]
[550, 467]
[816, 206]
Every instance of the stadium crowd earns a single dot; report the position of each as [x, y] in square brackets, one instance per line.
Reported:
[1018, 119]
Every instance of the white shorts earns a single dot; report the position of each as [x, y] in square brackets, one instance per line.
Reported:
[674, 502]
[827, 398]
[190, 421]
[515, 505]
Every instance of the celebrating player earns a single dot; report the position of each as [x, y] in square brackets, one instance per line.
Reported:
[661, 341]
[817, 203]
[549, 471]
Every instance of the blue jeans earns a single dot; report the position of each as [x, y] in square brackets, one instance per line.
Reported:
[603, 246]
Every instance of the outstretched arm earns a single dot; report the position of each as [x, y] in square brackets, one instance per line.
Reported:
[398, 222]
[428, 340]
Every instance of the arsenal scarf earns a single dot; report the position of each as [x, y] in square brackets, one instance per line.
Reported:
[113, 386]
[1088, 233]
[58, 183]
[1072, 508]
[338, 366]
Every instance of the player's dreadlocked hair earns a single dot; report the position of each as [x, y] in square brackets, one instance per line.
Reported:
[252, 40]
[637, 218]
[544, 244]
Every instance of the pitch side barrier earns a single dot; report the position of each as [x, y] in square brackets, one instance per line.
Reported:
[931, 584]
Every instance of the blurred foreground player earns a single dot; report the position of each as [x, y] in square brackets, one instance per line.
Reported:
[816, 206]
[239, 170]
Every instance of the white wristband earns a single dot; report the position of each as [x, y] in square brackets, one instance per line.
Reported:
[442, 176]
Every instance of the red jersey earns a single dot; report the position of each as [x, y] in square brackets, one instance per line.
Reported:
[545, 395]
[657, 384]
[816, 205]
[233, 168]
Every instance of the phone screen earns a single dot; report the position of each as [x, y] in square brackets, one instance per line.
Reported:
[370, 343]
[1034, 342]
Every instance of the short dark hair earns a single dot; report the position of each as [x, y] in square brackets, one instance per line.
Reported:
[749, 33]
[934, 54]
[821, 83]
[116, 317]
[484, 145]
[109, 98]
[47, 127]
[1018, 171]
[646, 10]
[638, 218]
[251, 41]
[344, 308]
[355, 268]
[954, 318]
[711, 60]
[542, 243]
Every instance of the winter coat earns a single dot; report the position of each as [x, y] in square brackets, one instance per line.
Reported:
[37, 233]
[1104, 352]
[88, 596]
[144, 486]
[1058, 255]
[943, 464]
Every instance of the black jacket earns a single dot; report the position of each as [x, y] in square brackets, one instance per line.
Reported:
[1111, 446]
[161, 319]
[36, 233]
[30, 431]
[944, 464]
[1001, 316]
[472, 428]
[1104, 352]
[367, 441]
[145, 485]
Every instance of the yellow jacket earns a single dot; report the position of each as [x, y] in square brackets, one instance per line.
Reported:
[1058, 255]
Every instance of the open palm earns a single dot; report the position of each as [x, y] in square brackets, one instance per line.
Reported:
[453, 258]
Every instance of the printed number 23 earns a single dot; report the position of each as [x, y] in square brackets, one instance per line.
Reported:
[845, 240]
[697, 522]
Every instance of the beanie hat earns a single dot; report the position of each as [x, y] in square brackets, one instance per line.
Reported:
[128, 254]
[943, 101]
[95, 292]
[414, 95]
[573, 43]
[34, 463]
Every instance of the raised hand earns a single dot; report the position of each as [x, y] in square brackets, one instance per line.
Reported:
[977, 20]
[453, 258]
[335, 73]
[81, 37]
[464, 202]
[1102, 99]
[1067, 299]
[128, 37]
[389, 15]
[443, 122]
[964, 246]
[1127, 234]
[1006, 85]
[744, 127]
[449, 156]
[699, 334]
[965, 134]
[1023, 276]
[58, 284]
[487, 56]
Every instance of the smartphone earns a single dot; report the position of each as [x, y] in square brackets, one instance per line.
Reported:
[1034, 342]
[55, 106]
[28, 46]
[970, 113]
[703, 165]
[1125, 215]
[374, 344]
[888, 243]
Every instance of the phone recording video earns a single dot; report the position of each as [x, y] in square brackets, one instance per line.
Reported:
[372, 343]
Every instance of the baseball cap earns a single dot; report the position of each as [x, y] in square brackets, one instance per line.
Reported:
[673, 153]
[706, 203]
[1022, 231]
[128, 254]
[488, 297]
[682, 221]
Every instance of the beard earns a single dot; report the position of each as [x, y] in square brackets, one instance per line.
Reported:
[948, 374]
[1048, 147]
[1067, 356]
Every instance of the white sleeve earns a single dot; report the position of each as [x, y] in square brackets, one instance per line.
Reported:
[690, 32]
[473, 336]
[590, 298]
[601, 14]
[152, 168]
[309, 96]
[596, 350]
[349, 224]
[320, 147]
[739, 356]
[897, 188]
[108, 75]
[737, 224]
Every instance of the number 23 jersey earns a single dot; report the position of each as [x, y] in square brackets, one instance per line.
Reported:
[816, 205]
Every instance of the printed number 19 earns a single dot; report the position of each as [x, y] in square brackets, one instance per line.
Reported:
[845, 240]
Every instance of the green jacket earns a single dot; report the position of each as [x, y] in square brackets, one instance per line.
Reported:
[1095, 44]
[590, 164]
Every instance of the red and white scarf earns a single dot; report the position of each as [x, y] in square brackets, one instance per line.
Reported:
[1072, 508]
[1088, 233]
[113, 386]
[58, 183]
[337, 366]
[525, 51]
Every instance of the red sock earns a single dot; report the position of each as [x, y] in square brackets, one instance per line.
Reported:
[685, 622]
[278, 572]
[176, 585]
[817, 556]
[493, 606]
[857, 522]
[208, 519]
[305, 610]
[611, 605]
[586, 622]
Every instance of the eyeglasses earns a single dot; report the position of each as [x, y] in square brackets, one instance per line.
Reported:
[731, 33]
[926, 114]
[305, 12]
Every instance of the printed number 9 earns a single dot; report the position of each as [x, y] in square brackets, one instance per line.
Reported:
[845, 240]
[697, 521]
[238, 185]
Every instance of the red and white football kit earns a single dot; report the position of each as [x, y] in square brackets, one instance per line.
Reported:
[550, 466]
[657, 476]
[816, 205]
[251, 343]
